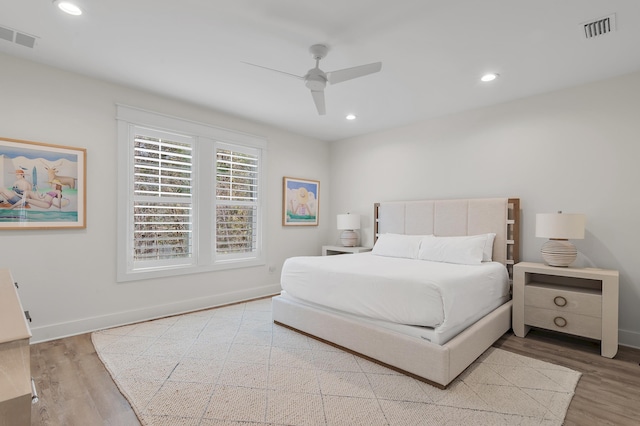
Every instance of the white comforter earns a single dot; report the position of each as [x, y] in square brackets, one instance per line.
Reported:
[405, 291]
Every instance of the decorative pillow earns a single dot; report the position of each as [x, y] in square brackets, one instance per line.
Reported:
[398, 245]
[466, 250]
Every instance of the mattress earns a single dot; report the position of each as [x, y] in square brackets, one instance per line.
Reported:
[430, 299]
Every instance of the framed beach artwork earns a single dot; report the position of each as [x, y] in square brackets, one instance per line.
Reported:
[301, 202]
[42, 186]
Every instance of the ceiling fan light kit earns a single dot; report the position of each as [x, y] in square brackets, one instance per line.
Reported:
[316, 80]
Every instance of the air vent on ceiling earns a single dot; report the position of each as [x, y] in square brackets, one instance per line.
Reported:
[600, 27]
[6, 34]
[17, 37]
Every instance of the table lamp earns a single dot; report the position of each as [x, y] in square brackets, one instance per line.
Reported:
[349, 223]
[559, 228]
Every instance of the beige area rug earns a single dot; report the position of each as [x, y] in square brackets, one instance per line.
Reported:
[232, 365]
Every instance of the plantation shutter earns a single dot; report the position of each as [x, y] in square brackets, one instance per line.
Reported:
[162, 198]
[237, 202]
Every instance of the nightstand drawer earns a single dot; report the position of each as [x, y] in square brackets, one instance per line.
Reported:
[565, 322]
[577, 301]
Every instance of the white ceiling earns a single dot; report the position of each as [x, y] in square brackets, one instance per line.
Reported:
[433, 52]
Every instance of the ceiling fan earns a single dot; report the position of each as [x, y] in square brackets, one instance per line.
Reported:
[316, 79]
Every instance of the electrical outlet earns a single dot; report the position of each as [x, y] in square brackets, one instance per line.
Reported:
[272, 269]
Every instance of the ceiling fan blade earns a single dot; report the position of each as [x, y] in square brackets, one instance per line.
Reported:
[339, 76]
[271, 69]
[318, 99]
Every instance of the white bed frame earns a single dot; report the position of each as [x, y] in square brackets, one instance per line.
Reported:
[438, 365]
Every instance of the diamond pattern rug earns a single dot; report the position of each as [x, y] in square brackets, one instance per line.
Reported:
[232, 365]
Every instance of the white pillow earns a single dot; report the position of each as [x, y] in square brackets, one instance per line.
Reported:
[466, 250]
[487, 253]
[398, 245]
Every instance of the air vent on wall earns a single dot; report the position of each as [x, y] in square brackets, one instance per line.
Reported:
[599, 27]
[17, 37]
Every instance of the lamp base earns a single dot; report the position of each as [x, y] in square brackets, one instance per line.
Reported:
[349, 238]
[558, 253]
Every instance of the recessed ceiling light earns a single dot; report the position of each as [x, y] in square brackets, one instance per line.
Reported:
[489, 77]
[350, 117]
[68, 7]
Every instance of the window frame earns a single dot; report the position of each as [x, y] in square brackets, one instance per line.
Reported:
[206, 139]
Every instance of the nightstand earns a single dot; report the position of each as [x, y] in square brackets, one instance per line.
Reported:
[331, 250]
[578, 301]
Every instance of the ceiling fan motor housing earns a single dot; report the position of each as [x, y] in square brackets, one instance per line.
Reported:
[316, 79]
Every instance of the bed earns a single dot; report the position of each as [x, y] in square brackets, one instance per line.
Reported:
[327, 303]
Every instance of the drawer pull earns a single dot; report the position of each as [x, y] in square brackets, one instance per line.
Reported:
[560, 301]
[34, 393]
[560, 322]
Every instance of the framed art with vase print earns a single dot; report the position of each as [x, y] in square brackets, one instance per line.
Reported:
[301, 202]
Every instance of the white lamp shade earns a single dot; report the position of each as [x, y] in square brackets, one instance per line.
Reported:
[349, 221]
[563, 226]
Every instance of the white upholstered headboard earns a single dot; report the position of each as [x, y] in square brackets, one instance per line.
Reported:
[453, 218]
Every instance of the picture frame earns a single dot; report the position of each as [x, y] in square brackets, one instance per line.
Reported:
[300, 202]
[42, 186]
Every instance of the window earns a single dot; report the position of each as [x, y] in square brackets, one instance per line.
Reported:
[236, 202]
[162, 198]
[190, 197]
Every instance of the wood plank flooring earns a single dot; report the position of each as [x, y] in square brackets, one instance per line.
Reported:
[75, 388]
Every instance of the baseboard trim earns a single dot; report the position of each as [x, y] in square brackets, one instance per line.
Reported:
[90, 324]
[629, 338]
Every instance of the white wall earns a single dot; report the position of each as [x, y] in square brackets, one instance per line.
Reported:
[590, 134]
[574, 150]
[68, 277]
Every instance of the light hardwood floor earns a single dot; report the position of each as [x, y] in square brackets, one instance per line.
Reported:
[75, 388]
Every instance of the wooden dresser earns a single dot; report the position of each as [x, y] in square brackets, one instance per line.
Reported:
[15, 367]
